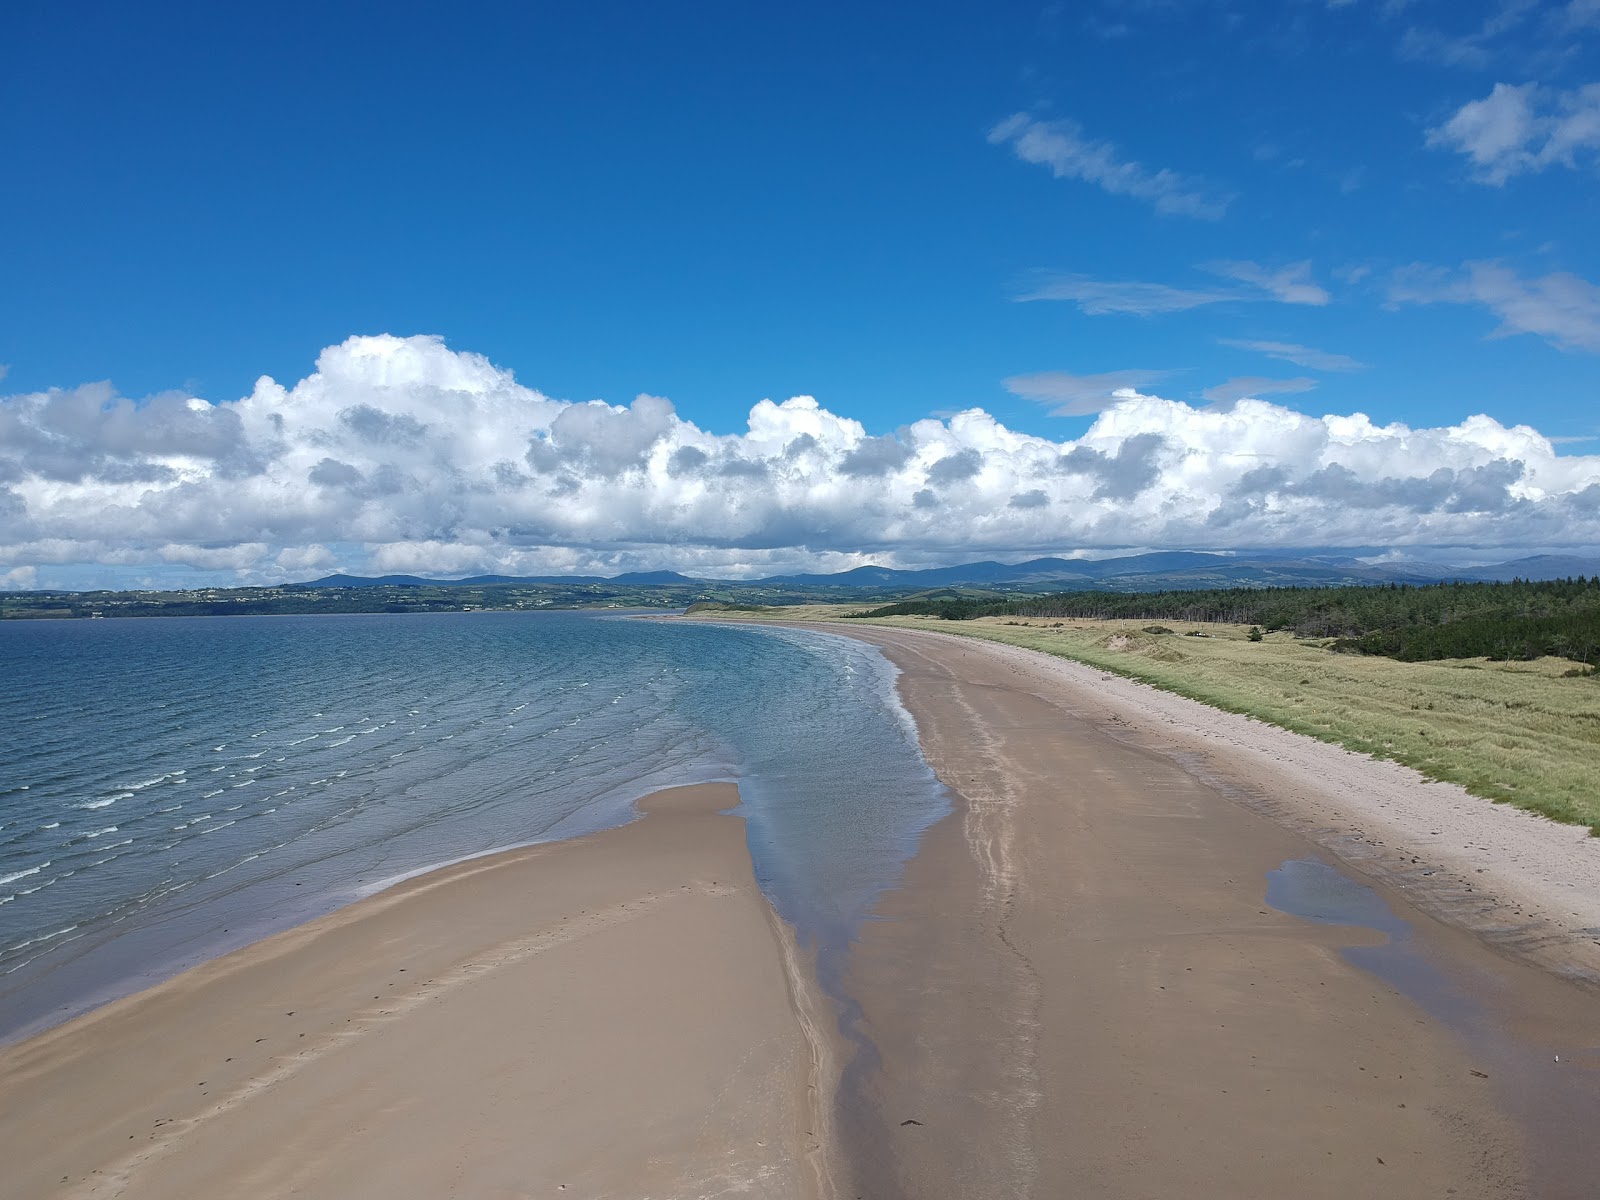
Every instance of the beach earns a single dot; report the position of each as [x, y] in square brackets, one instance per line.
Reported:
[616, 1015]
[1079, 987]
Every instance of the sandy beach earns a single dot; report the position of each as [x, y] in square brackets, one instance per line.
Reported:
[620, 1015]
[1079, 990]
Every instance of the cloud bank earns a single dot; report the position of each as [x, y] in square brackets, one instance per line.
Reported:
[400, 454]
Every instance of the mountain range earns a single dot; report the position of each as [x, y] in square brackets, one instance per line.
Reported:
[1138, 572]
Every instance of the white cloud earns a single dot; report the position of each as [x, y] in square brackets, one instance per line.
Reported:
[1527, 128]
[1255, 386]
[1097, 297]
[1300, 356]
[1559, 307]
[1579, 15]
[1473, 49]
[298, 560]
[1290, 284]
[403, 455]
[1067, 395]
[1062, 147]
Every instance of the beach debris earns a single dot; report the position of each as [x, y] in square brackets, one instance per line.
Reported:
[903, 1124]
[1480, 1074]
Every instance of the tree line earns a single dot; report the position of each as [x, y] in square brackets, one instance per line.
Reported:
[1520, 619]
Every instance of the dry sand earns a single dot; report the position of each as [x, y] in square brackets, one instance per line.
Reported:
[621, 1015]
[1079, 990]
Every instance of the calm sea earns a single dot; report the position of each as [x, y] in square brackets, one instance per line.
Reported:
[173, 788]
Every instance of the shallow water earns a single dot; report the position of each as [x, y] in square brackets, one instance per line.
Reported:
[1553, 1103]
[1314, 891]
[173, 788]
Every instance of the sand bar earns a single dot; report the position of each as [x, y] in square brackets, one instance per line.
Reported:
[620, 1015]
[1079, 990]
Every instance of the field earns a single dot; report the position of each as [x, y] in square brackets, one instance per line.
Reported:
[1523, 733]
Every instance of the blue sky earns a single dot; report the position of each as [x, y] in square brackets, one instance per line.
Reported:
[1337, 206]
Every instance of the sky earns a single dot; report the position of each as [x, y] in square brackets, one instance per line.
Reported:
[735, 289]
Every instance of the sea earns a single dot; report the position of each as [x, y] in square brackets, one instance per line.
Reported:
[174, 788]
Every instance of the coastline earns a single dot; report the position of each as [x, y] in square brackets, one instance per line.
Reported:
[621, 1013]
[1079, 985]
[1526, 884]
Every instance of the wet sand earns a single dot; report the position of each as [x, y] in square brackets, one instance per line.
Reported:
[620, 1015]
[1081, 991]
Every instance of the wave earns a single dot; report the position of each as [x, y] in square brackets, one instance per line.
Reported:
[15, 875]
[150, 783]
[43, 937]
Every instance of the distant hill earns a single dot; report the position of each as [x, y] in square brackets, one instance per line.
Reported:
[1538, 567]
[631, 578]
[1160, 570]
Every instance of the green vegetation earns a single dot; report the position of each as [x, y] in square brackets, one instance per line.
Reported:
[217, 602]
[1524, 732]
[1504, 621]
[396, 598]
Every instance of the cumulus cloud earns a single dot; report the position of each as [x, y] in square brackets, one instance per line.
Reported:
[1513, 130]
[1062, 147]
[1560, 307]
[400, 454]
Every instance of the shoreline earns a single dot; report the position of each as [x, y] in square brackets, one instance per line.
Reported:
[1526, 884]
[619, 1012]
[1080, 983]
[1078, 986]
[321, 905]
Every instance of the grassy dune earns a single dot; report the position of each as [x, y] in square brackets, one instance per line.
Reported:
[1522, 733]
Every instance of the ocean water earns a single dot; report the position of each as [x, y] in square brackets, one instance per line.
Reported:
[173, 788]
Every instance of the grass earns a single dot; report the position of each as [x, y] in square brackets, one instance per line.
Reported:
[1522, 733]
